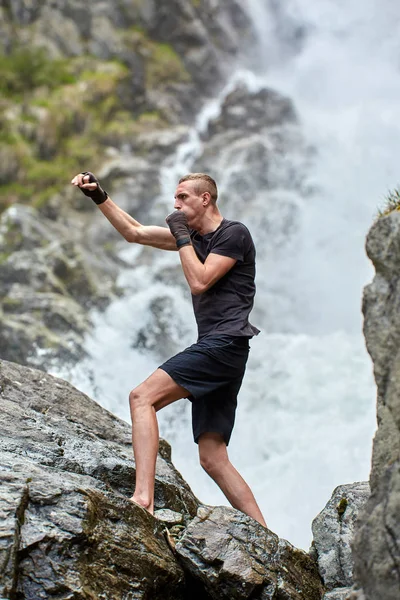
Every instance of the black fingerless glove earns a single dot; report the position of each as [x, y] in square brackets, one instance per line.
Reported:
[179, 228]
[98, 195]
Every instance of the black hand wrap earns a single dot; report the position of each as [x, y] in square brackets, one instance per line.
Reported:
[179, 228]
[98, 195]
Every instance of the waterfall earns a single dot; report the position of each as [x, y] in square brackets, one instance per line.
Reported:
[306, 412]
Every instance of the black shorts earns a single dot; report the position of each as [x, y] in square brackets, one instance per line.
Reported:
[211, 371]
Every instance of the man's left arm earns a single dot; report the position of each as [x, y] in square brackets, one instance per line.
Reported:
[199, 276]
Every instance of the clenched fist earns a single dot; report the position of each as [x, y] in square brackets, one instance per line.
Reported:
[90, 186]
[178, 225]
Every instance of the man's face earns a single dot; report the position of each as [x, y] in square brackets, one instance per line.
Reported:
[189, 202]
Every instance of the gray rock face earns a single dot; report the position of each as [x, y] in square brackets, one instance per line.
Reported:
[236, 558]
[205, 36]
[48, 283]
[68, 530]
[333, 531]
[377, 541]
[339, 594]
[67, 527]
[67, 537]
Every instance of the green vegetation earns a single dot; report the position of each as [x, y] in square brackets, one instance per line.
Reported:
[28, 68]
[57, 116]
[392, 202]
[164, 66]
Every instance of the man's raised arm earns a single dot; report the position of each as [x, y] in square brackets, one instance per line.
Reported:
[127, 226]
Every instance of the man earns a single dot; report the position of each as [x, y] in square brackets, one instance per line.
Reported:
[218, 260]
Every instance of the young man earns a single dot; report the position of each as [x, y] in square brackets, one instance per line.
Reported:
[218, 260]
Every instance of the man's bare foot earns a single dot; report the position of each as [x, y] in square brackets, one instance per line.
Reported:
[141, 505]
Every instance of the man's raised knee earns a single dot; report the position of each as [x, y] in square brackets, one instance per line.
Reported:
[137, 399]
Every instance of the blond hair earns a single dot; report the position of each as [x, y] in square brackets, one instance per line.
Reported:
[204, 183]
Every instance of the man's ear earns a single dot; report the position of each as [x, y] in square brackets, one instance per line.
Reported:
[206, 198]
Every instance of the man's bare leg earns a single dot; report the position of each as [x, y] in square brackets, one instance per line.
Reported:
[215, 461]
[157, 391]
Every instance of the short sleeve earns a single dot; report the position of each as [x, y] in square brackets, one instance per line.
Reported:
[231, 241]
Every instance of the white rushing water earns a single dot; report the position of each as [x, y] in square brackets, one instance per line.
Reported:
[306, 413]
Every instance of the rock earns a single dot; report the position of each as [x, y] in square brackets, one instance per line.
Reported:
[205, 36]
[376, 545]
[72, 537]
[162, 332]
[168, 516]
[67, 526]
[333, 531]
[243, 110]
[68, 529]
[49, 422]
[235, 557]
[48, 281]
[337, 594]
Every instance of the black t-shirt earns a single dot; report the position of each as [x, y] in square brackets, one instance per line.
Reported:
[225, 307]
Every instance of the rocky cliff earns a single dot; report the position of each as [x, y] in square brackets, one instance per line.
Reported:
[377, 543]
[68, 530]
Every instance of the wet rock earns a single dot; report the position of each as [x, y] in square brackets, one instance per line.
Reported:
[68, 529]
[250, 111]
[64, 535]
[235, 557]
[338, 594]
[66, 525]
[48, 282]
[333, 532]
[47, 421]
[376, 544]
[205, 36]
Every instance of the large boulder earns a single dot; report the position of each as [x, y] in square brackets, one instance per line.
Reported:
[65, 536]
[333, 532]
[67, 526]
[236, 558]
[69, 530]
[49, 280]
[377, 541]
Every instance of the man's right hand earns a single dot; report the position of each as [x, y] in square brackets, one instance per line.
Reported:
[178, 225]
[90, 186]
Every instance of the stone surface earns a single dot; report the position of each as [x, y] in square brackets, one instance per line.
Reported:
[205, 35]
[68, 529]
[377, 541]
[338, 594]
[333, 531]
[48, 281]
[67, 526]
[235, 557]
[66, 536]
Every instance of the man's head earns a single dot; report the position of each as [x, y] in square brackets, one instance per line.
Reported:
[202, 183]
[196, 195]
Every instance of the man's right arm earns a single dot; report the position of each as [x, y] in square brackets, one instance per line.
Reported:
[127, 226]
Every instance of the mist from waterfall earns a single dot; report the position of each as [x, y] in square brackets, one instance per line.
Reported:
[306, 412]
